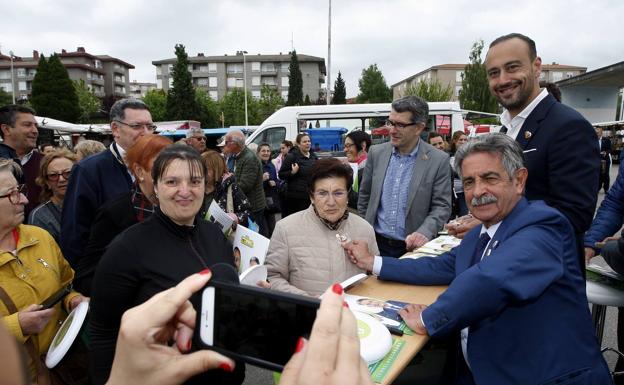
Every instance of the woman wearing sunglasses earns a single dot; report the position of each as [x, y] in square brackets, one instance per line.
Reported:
[53, 176]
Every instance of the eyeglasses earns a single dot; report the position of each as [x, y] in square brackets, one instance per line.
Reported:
[349, 145]
[15, 194]
[399, 125]
[138, 126]
[200, 138]
[56, 175]
[338, 194]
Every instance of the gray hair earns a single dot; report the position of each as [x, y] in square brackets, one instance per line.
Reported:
[237, 137]
[9, 165]
[495, 143]
[194, 130]
[87, 147]
[417, 106]
[118, 110]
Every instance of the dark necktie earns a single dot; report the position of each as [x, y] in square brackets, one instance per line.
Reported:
[503, 130]
[484, 239]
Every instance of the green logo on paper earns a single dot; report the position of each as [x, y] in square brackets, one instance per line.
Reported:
[363, 329]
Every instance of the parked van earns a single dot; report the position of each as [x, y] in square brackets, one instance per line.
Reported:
[287, 122]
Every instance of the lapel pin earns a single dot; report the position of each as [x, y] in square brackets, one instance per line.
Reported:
[527, 134]
[425, 157]
[494, 245]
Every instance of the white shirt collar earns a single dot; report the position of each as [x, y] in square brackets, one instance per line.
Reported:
[515, 125]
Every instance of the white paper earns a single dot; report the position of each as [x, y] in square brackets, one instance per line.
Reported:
[220, 218]
[249, 248]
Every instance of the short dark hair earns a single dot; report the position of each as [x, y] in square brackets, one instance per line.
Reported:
[417, 106]
[330, 168]
[300, 136]
[432, 135]
[287, 143]
[171, 153]
[358, 137]
[42, 146]
[263, 144]
[552, 89]
[118, 110]
[524, 38]
[8, 114]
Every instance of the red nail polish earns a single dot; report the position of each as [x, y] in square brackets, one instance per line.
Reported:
[300, 345]
[226, 367]
[188, 345]
[205, 271]
[336, 288]
[344, 304]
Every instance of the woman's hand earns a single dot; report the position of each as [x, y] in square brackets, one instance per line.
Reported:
[332, 356]
[294, 168]
[265, 176]
[143, 355]
[76, 301]
[33, 320]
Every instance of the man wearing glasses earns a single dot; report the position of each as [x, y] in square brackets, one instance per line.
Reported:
[101, 177]
[18, 129]
[406, 188]
[195, 138]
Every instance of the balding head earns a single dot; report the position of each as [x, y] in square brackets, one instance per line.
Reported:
[234, 142]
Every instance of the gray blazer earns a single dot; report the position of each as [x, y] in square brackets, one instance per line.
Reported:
[429, 201]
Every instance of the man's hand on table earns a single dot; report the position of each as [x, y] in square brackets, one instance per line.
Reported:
[411, 314]
[357, 251]
[460, 226]
[415, 240]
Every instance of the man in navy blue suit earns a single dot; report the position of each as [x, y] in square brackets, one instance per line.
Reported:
[515, 288]
[559, 145]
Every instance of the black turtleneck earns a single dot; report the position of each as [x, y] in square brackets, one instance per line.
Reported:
[149, 257]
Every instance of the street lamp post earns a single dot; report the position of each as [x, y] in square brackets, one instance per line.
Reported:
[12, 77]
[245, 87]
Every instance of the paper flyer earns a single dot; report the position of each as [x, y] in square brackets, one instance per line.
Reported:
[249, 247]
[216, 215]
[386, 312]
[440, 245]
[379, 370]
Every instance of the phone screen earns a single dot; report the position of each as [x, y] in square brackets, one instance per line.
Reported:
[262, 326]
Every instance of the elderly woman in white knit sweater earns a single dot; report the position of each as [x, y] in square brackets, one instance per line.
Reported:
[305, 255]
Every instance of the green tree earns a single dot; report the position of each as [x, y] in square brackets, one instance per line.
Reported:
[373, 88]
[208, 109]
[340, 91]
[270, 101]
[181, 101]
[156, 100]
[88, 103]
[307, 101]
[233, 107]
[295, 82]
[5, 97]
[53, 93]
[475, 93]
[431, 91]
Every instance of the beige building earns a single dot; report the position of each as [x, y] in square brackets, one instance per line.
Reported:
[451, 74]
[105, 75]
[138, 90]
[219, 74]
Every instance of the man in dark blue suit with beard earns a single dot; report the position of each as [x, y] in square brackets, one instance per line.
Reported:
[515, 292]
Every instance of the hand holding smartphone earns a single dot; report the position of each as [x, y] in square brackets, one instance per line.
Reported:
[56, 297]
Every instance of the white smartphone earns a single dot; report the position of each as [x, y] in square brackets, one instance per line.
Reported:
[254, 325]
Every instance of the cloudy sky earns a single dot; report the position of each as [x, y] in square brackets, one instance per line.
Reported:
[402, 36]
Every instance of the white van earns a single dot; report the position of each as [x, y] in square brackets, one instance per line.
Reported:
[287, 122]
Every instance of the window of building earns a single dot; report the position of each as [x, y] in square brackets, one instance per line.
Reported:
[240, 83]
[457, 89]
[234, 68]
[89, 75]
[285, 95]
[569, 75]
[202, 81]
[21, 72]
[158, 71]
[170, 68]
[255, 80]
[170, 82]
[159, 84]
[213, 95]
[458, 76]
[212, 67]
[556, 76]
[268, 67]
[255, 94]
[203, 68]
[22, 86]
[8, 87]
[285, 66]
[255, 66]
[189, 68]
[269, 81]
[98, 64]
[5, 74]
[231, 82]
[542, 75]
[284, 81]
[212, 81]
[32, 72]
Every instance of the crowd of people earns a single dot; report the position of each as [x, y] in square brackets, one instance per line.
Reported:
[128, 224]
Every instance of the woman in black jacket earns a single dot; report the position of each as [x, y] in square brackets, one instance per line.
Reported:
[155, 255]
[295, 172]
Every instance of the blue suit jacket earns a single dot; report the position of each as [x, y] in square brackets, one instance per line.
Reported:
[525, 302]
[561, 153]
[93, 182]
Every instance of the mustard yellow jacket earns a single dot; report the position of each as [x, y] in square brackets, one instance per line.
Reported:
[38, 271]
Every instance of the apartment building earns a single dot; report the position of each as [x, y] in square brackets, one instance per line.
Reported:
[451, 74]
[219, 74]
[105, 75]
[138, 89]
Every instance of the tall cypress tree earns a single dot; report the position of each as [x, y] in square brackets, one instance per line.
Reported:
[340, 91]
[181, 101]
[295, 82]
[53, 93]
[475, 93]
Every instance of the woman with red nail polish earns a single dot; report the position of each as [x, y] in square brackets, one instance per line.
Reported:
[157, 254]
[305, 256]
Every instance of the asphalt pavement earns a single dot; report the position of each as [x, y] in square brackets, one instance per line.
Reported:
[414, 373]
